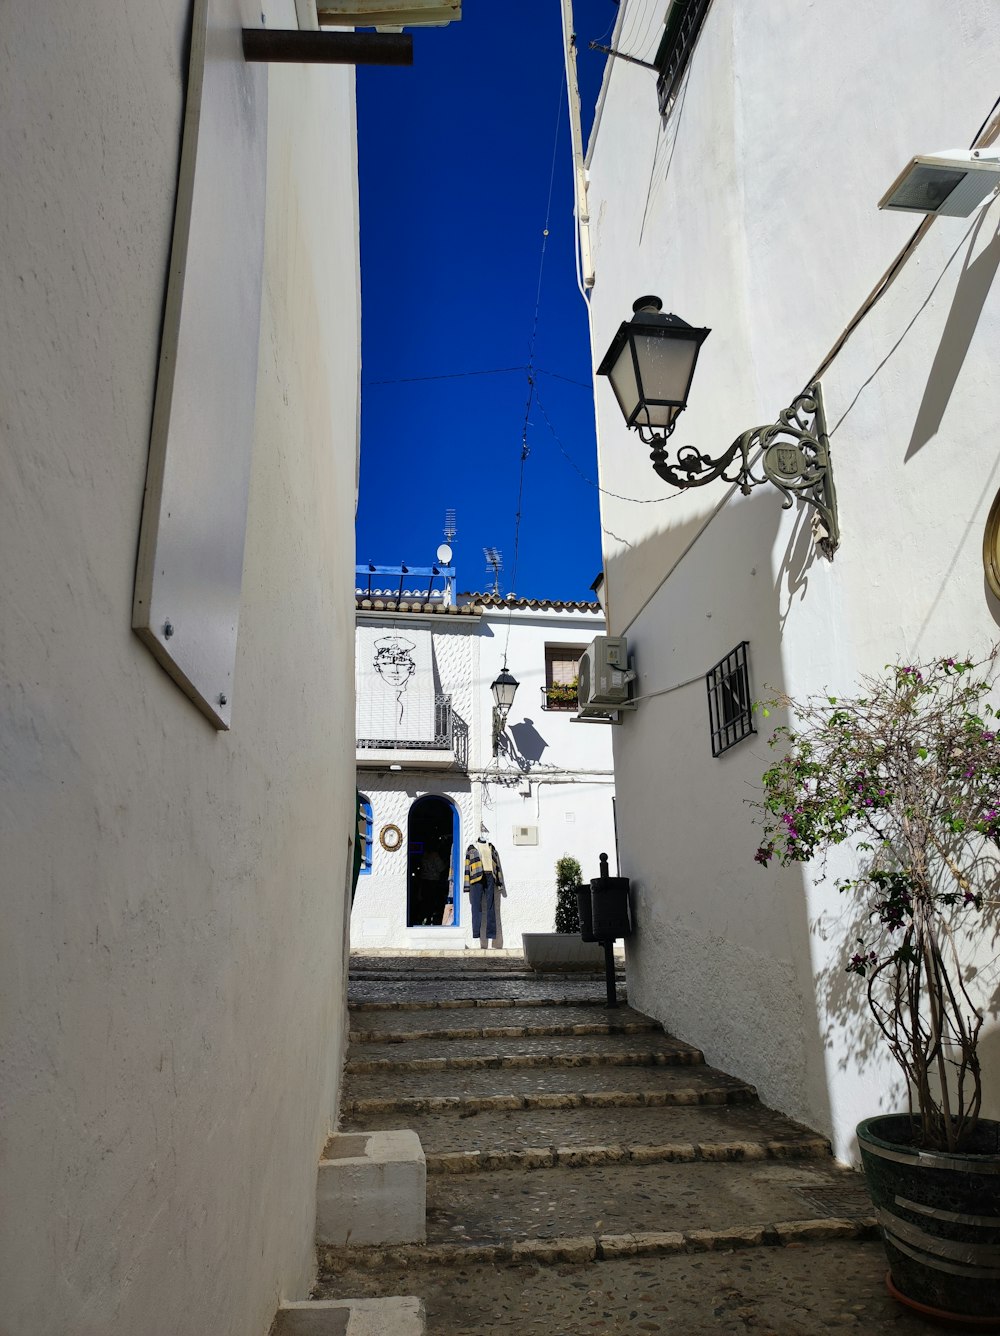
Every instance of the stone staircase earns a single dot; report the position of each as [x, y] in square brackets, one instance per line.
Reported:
[587, 1172]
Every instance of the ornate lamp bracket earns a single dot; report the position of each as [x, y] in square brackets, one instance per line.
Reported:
[792, 453]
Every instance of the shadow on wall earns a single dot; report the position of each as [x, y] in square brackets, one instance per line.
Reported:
[722, 955]
[635, 570]
[967, 305]
[528, 742]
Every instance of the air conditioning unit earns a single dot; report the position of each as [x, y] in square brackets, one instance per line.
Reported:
[604, 677]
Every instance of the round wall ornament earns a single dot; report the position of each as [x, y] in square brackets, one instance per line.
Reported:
[991, 547]
[391, 838]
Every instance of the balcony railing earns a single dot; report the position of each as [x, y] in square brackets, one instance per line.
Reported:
[559, 697]
[451, 733]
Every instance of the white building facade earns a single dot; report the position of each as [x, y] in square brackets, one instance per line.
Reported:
[431, 777]
[175, 894]
[748, 203]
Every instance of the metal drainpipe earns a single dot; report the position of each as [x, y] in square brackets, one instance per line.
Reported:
[576, 137]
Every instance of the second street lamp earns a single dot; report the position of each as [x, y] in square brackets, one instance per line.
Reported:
[504, 687]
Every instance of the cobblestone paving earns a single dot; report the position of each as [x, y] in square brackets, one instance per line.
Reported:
[644, 1085]
[606, 1206]
[791, 1291]
[501, 1022]
[627, 1198]
[642, 1050]
[687, 1128]
[460, 988]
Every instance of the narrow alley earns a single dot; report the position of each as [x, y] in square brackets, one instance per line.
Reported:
[588, 1172]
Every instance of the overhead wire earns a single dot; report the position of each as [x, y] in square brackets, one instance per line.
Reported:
[979, 140]
[636, 500]
[486, 371]
[530, 374]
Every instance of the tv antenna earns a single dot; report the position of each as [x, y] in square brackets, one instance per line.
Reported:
[494, 565]
[450, 529]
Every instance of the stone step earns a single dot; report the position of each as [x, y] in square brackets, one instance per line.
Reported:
[555, 1051]
[463, 1140]
[538, 1088]
[508, 1205]
[586, 991]
[464, 1003]
[497, 1023]
[794, 1290]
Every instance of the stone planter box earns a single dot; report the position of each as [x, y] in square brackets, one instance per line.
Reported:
[372, 1188]
[557, 951]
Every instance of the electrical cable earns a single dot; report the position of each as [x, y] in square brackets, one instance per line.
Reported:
[487, 371]
[530, 373]
[892, 273]
[641, 46]
[445, 375]
[637, 500]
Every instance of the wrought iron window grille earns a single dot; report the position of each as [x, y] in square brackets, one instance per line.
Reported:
[678, 41]
[730, 709]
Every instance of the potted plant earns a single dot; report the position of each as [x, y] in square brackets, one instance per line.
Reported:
[563, 949]
[909, 771]
[562, 695]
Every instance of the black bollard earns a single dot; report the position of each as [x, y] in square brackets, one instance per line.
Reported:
[609, 973]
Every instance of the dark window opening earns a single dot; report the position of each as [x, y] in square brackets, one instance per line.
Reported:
[680, 34]
[730, 709]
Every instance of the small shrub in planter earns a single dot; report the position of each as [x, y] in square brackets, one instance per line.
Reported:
[909, 771]
[563, 949]
[568, 876]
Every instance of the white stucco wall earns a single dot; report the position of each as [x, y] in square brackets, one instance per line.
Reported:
[759, 221]
[568, 767]
[173, 939]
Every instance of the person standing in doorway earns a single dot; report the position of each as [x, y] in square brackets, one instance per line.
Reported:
[433, 878]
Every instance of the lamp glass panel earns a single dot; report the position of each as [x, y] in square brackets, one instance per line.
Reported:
[665, 369]
[623, 382]
[925, 188]
[504, 689]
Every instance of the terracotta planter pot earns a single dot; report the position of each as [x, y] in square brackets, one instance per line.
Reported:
[940, 1218]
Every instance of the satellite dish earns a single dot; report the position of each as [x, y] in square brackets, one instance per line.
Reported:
[444, 554]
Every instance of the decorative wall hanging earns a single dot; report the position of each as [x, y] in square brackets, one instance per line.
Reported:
[391, 838]
[991, 547]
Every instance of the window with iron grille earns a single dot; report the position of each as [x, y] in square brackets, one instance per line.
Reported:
[682, 26]
[730, 709]
[562, 670]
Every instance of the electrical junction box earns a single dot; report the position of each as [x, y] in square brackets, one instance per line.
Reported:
[525, 834]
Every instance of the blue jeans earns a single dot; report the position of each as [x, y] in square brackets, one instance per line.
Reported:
[484, 889]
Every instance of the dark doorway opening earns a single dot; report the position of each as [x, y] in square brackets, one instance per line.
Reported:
[431, 874]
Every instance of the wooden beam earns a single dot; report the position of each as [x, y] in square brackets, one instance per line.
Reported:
[327, 48]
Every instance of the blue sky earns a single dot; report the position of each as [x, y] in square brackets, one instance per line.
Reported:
[455, 167]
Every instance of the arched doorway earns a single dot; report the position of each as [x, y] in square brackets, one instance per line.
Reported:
[432, 863]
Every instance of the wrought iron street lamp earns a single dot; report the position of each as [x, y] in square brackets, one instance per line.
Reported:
[651, 365]
[504, 687]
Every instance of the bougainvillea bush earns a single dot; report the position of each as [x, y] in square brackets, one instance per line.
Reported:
[909, 772]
